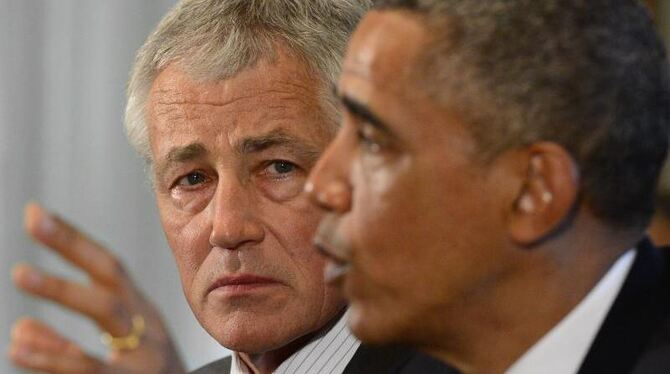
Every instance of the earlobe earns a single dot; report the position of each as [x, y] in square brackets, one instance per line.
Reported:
[547, 196]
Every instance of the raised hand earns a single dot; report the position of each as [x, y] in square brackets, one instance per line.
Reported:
[110, 299]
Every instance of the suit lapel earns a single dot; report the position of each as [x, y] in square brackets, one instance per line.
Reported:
[640, 306]
[369, 359]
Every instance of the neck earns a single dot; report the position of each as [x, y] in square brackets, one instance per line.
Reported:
[659, 230]
[497, 327]
[268, 362]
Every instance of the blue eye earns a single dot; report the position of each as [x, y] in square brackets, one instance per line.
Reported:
[192, 179]
[283, 167]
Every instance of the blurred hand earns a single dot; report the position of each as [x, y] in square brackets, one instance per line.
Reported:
[110, 299]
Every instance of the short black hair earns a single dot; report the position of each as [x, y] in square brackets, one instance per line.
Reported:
[590, 75]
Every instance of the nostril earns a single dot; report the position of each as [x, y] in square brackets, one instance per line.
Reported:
[337, 196]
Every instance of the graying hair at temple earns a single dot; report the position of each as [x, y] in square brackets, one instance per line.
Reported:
[590, 75]
[216, 39]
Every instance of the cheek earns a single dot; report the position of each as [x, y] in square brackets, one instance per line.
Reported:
[294, 226]
[379, 228]
[420, 228]
[188, 238]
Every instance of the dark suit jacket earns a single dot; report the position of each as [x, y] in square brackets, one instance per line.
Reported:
[367, 360]
[635, 336]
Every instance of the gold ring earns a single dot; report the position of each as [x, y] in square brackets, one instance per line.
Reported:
[128, 342]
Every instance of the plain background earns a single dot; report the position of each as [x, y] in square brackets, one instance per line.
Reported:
[63, 68]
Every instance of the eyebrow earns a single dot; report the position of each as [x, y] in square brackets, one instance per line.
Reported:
[181, 154]
[186, 153]
[278, 138]
[361, 111]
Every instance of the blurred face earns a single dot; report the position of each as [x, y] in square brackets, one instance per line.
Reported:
[230, 161]
[415, 224]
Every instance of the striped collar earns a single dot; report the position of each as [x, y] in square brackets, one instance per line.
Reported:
[329, 354]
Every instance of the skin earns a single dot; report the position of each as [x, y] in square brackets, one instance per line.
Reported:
[110, 299]
[230, 161]
[658, 229]
[433, 246]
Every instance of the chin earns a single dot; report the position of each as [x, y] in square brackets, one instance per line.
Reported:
[376, 328]
[258, 339]
[254, 333]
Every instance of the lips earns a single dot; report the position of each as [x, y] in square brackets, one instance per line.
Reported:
[336, 250]
[242, 281]
[337, 265]
[334, 272]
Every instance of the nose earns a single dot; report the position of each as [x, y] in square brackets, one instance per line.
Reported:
[328, 184]
[234, 216]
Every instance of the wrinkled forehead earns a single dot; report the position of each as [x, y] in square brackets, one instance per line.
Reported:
[285, 77]
[272, 97]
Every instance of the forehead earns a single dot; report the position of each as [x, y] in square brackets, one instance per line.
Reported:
[271, 95]
[384, 48]
[381, 72]
[284, 77]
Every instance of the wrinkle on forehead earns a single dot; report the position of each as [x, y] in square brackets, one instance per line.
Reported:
[166, 97]
[283, 73]
[283, 96]
[271, 94]
[175, 104]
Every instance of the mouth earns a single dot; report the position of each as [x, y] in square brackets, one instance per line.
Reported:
[334, 249]
[241, 283]
[336, 267]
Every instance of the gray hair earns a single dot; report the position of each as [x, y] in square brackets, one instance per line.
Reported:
[590, 75]
[216, 39]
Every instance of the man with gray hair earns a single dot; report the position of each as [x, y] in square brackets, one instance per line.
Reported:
[489, 190]
[230, 104]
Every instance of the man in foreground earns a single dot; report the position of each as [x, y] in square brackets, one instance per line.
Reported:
[230, 104]
[490, 188]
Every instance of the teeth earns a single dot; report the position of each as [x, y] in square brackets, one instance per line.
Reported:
[334, 271]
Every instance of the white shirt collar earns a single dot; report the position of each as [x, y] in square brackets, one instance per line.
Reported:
[329, 353]
[564, 347]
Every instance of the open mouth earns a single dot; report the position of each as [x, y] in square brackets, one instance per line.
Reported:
[336, 267]
[334, 272]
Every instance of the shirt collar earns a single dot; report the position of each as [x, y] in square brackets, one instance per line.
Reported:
[327, 353]
[564, 347]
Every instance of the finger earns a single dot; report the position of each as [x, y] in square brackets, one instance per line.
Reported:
[36, 346]
[74, 246]
[33, 333]
[34, 358]
[104, 307]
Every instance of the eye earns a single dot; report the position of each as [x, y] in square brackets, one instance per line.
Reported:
[191, 179]
[369, 139]
[281, 167]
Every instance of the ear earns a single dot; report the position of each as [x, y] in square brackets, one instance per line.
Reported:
[547, 195]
